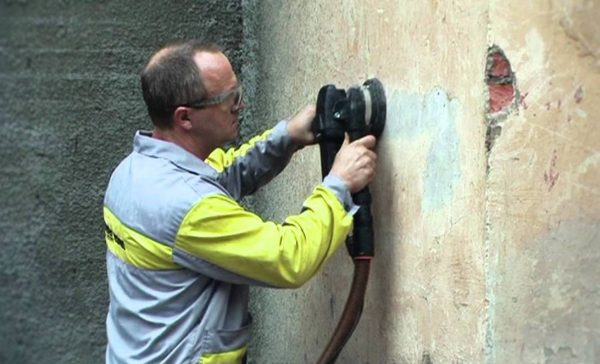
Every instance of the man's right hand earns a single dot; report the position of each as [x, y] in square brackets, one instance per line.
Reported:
[355, 162]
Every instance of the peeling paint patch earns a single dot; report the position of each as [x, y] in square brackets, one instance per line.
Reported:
[503, 95]
[500, 80]
[435, 115]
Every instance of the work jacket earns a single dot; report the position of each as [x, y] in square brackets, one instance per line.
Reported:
[182, 251]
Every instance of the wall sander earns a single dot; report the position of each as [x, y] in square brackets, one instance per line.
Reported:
[358, 111]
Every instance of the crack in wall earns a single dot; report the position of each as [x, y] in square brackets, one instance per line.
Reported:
[502, 100]
[579, 25]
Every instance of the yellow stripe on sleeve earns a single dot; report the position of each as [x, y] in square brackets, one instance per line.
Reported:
[220, 231]
[229, 357]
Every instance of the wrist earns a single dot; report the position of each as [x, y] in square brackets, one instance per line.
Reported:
[292, 133]
[340, 189]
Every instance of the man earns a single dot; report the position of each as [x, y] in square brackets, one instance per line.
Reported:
[181, 250]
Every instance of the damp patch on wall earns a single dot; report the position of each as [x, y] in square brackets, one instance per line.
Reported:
[435, 114]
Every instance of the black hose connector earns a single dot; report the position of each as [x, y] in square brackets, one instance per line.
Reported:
[362, 244]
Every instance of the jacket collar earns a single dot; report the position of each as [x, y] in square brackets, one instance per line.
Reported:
[145, 144]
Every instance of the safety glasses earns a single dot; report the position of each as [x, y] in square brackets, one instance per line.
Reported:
[235, 93]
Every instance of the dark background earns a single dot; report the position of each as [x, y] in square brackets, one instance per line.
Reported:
[69, 105]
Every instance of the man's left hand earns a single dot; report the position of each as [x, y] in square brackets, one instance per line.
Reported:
[299, 126]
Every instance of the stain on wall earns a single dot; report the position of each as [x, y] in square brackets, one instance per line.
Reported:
[443, 165]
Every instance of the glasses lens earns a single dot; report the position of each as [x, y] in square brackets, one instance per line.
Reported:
[235, 95]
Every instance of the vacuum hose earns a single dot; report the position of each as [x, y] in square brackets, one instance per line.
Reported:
[350, 315]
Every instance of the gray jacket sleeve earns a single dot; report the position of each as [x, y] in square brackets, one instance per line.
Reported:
[256, 163]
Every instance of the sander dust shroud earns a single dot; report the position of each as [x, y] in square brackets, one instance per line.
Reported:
[359, 111]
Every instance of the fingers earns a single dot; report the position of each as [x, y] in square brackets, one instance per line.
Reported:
[299, 126]
[371, 156]
[367, 141]
[365, 148]
[356, 162]
[368, 162]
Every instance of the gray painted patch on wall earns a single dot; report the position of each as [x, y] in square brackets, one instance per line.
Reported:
[436, 115]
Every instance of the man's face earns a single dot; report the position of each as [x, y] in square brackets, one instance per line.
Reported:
[217, 124]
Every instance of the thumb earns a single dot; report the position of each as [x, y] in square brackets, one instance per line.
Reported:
[346, 140]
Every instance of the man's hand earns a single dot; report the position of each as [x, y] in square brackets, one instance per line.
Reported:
[299, 126]
[355, 162]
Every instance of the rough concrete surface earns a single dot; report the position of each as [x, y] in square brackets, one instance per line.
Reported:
[69, 105]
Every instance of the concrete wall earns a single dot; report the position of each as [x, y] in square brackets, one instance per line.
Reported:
[486, 202]
[69, 105]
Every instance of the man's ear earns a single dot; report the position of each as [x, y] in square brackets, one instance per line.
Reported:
[181, 118]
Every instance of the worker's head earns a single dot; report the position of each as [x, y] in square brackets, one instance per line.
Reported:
[191, 88]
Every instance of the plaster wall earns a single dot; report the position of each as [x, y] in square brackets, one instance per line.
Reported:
[486, 244]
[426, 297]
[543, 201]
